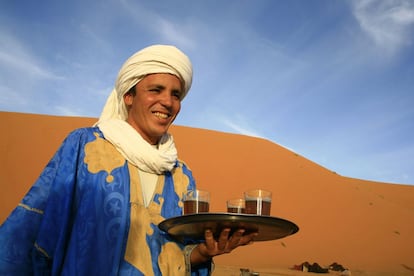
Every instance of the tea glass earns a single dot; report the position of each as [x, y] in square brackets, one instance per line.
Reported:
[258, 202]
[236, 205]
[196, 201]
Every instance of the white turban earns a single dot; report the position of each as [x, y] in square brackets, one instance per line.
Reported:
[150, 60]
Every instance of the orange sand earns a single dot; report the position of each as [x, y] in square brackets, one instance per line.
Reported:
[365, 226]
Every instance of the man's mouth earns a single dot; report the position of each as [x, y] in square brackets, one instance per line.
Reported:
[161, 115]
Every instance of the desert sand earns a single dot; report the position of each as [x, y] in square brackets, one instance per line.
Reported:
[363, 225]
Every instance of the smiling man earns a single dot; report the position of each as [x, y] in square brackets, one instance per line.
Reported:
[96, 207]
[153, 104]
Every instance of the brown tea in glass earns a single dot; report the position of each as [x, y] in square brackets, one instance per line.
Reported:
[258, 202]
[258, 207]
[195, 206]
[236, 206]
[196, 201]
[236, 210]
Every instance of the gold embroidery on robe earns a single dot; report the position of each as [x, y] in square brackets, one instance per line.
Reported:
[101, 155]
[171, 258]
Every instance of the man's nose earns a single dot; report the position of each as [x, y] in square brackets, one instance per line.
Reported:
[166, 98]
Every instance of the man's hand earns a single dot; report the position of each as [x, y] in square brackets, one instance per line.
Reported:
[224, 244]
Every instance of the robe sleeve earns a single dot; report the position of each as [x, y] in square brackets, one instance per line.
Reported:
[19, 252]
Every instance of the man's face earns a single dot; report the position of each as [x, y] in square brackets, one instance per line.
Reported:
[155, 105]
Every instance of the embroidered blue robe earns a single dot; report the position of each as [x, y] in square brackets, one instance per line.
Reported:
[85, 216]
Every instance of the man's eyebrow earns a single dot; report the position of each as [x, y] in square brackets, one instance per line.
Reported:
[160, 86]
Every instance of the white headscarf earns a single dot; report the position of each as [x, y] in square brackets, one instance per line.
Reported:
[150, 60]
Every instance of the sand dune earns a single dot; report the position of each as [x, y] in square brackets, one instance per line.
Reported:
[365, 226]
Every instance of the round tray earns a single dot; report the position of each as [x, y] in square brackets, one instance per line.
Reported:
[190, 228]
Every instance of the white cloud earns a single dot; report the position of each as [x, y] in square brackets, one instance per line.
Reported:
[174, 32]
[68, 111]
[15, 57]
[243, 130]
[238, 128]
[388, 23]
[8, 96]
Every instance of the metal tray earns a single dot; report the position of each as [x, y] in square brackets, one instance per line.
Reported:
[190, 228]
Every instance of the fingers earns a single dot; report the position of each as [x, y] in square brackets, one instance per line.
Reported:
[226, 243]
[210, 242]
[223, 240]
[248, 239]
[236, 238]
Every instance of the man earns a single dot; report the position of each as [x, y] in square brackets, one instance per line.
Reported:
[96, 207]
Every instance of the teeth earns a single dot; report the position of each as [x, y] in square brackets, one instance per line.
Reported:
[161, 115]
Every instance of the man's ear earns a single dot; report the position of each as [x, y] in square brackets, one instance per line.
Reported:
[128, 98]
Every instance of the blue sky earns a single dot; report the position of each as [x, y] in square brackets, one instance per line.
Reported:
[331, 80]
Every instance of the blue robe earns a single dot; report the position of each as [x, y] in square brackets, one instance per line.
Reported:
[85, 216]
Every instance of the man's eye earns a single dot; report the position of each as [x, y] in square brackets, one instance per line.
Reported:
[177, 94]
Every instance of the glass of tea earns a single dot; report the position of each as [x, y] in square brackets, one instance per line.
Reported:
[258, 202]
[236, 205]
[196, 201]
